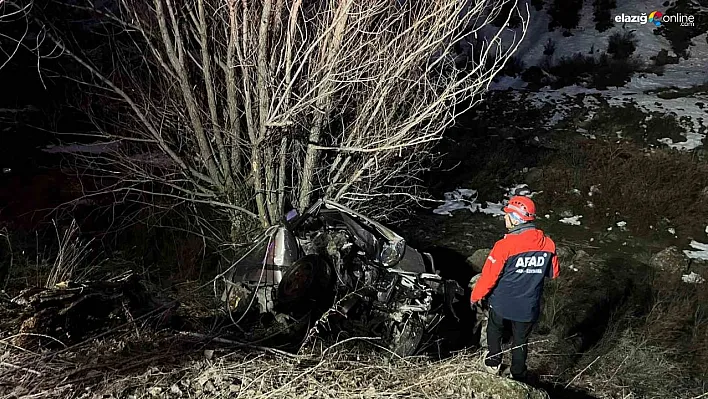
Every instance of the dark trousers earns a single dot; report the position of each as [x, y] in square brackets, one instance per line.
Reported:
[520, 332]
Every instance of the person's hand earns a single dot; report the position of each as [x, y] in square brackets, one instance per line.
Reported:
[473, 305]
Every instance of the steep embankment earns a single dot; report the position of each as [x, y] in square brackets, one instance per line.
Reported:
[606, 123]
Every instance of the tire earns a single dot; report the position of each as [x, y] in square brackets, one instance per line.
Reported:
[407, 336]
[307, 282]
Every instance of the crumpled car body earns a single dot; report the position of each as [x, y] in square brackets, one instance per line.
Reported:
[353, 274]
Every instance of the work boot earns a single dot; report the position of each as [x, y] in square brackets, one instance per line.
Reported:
[487, 368]
[492, 369]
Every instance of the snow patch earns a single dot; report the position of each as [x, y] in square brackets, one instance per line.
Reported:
[586, 40]
[95, 148]
[693, 278]
[519, 189]
[701, 251]
[464, 198]
[494, 209]
[573, 220]
[461, 198]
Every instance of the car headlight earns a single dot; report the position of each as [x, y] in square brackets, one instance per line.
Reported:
[392, 253]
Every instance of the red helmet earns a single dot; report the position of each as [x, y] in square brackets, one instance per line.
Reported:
[522, 207]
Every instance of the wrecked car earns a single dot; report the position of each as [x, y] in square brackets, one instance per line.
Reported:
[345, 274]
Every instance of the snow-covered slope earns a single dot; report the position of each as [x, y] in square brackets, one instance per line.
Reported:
[646, 90]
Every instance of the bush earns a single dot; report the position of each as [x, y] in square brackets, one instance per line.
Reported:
[600, 73]
[602, 11]
[565, 13]
[615, 72]
[658, 70]
[533, 74]
[514, 66]
[550, 47]
[571, 70]
[622, 45]
[662, 58]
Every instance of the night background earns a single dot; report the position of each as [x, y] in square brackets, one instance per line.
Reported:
[146, 145]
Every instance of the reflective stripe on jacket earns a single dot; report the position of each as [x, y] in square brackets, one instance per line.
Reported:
[514, 271]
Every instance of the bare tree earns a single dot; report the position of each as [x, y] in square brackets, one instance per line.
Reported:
[12, 40]
[240, 105]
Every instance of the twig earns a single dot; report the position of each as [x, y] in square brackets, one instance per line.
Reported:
[581, 372]
[33, 335]
[291, 96]
[619, 367]
[239, 344]
[299, 376]
[344, 341]
[6, 364]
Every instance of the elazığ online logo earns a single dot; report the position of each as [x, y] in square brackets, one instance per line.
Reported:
[657, 18]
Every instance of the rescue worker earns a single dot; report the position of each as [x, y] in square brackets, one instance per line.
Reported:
[512, 281]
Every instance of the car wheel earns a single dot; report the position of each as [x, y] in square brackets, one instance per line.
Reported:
[407, 336]
[308, 280]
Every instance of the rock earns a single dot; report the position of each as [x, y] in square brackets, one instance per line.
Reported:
[174, 390]
[670, 259]
[534, 177]
[580, 254]
[565, 254]
[155, 391]
[611, 236]
[208, 354]
[209, 387]
[473, 280]
[478, 258]
[566, 214]
[578, 257]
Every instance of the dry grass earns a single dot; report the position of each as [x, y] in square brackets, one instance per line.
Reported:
[678, 321]
[149, 365]
[633, 364]
[660, 352]
[634, 185]
[622, 327]
[71, 254]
